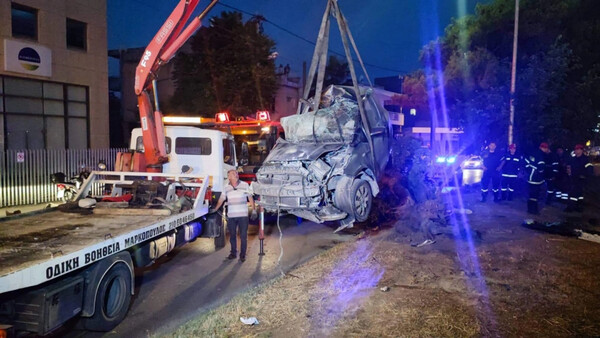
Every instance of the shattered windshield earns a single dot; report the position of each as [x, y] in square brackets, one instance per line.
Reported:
[335, 122]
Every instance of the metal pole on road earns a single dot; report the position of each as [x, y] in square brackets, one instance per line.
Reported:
[261, 231]
[513, 75]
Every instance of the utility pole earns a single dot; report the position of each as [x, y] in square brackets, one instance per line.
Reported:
[513, 75]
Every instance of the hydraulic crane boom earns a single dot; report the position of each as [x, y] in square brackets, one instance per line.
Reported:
[169, 39]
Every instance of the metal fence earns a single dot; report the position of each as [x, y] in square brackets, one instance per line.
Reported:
[25, 174]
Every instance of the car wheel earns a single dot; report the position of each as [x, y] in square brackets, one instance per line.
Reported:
[362, 200]
[112, 299]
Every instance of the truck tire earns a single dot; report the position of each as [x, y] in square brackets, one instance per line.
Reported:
[112, 299]
[361, 199]
[220, 240]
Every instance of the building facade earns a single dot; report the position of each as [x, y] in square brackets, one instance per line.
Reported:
[53, 74]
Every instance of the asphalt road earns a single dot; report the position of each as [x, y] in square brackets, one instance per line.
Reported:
[196, 278]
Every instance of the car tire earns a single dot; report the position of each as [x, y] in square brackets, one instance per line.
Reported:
[112, 299]
[362, 200]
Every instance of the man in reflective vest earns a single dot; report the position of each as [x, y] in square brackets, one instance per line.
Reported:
[511, 163]
[535, 165]
[579, 169]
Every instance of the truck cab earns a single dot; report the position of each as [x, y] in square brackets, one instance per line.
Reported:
[195, 151]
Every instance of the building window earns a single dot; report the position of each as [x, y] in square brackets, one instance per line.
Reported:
[24, 22]
[76, 34]
[43, 115]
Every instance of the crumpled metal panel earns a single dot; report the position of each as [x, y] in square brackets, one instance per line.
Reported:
[285, 151]
[336, 122]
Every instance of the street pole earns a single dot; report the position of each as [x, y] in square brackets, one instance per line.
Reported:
[513, 75]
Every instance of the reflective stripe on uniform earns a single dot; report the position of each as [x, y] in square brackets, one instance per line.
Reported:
[507, 175]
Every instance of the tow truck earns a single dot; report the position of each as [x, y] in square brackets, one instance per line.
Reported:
[254, 136]
[57, 265]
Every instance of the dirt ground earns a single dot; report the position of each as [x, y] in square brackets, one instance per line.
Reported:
[497, 278]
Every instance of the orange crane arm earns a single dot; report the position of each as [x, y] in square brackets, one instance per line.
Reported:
[169, 39]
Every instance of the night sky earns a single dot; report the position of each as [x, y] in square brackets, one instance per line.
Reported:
[388, 33]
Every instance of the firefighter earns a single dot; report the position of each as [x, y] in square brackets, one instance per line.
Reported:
[578, 169]
[550, 173]
[535, 166]
[511, 163]
[562, 185]
[491, 172]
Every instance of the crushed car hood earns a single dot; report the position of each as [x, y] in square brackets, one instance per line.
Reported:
[286, 151]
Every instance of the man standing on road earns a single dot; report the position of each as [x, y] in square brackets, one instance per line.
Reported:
[237, 196]
[491, 172]
[511, 163]
[535, 176]
[579, 169]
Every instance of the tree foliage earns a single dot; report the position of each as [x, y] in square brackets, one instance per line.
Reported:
[467, 72]
[227, 69]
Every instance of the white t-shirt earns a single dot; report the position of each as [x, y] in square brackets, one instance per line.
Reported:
[237, 199]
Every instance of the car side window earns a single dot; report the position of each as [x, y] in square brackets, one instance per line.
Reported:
[373, 113]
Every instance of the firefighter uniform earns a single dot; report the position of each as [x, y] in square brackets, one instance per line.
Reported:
[491, 162]
[550, 173]
[511, 163]
[562, 179]
[580, 168]
[535, 166]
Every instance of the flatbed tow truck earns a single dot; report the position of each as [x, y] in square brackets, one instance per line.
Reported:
[59, 264]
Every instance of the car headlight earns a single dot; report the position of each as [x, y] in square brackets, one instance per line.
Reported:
[451, 159]
[440, 159]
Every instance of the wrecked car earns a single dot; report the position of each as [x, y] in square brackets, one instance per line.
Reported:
[327, 167]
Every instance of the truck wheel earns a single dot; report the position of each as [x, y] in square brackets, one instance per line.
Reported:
[112, 299]
[220, 240]
[362, 199]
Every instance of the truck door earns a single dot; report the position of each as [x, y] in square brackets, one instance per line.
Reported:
[229, 158]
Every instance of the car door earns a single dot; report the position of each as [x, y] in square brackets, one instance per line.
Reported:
[380, 131]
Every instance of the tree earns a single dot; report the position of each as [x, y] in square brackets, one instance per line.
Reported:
[227, 69]
[468, 71]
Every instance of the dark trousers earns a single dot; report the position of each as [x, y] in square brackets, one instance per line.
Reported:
[493, 176]
[534, 195]
[550, 189]
[562, 187]
[232, 226]
[576, 192]
[509, 184]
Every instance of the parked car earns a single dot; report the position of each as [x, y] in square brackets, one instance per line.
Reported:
[472, 170]
[327, 167]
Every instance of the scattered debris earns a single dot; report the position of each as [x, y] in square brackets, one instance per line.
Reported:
[249, 320]
[563, 229]
[385, 289]
[425, 242]
[462, 211]
[16, 212]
